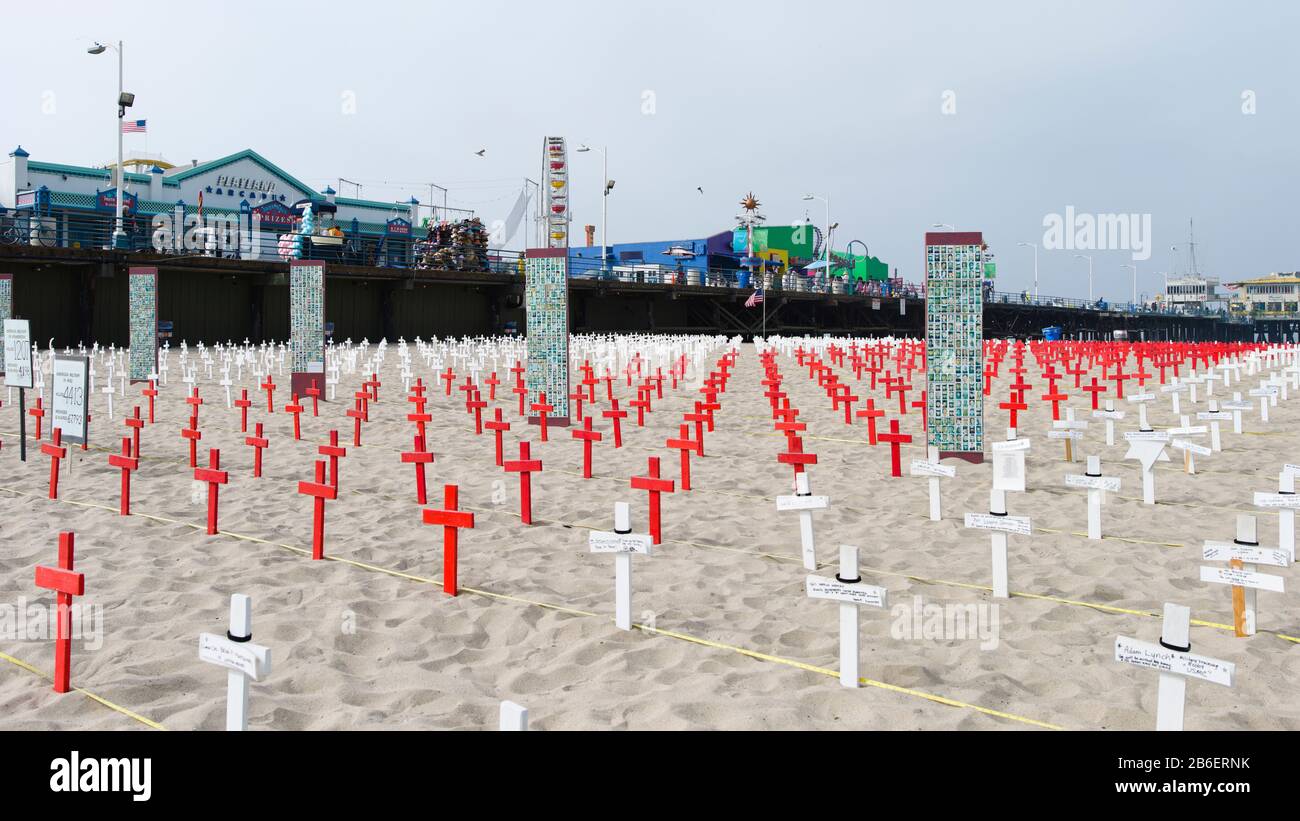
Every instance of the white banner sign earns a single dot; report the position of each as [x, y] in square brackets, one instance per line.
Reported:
[820, 587]
[1156, 657]
[1018, 525]
[802, 502]
[252, 660]
[1013, 445]
[921, 467]
[606, 542]
[1278, 500]
[1147, 436]
[1183, 444]
[1242, 578]
[1064, 434]
[70, 394]
[1110, 483]
[1227, 551]
[18, 353]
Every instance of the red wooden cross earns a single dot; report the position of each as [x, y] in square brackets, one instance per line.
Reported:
[151, 392]
[497, 425]
[542, 409]
[269, 387]
[53, 450]
[320, 492]
[795, 455]
[477, 404]
[193, 434]
[127, 463]
[1119, 378]
[357, 415]
[243, 403]
[417, 397]
[525, 467]
[135, 423]
[38, 413]
[922, 403]
[373, 386]
[448, 376]
[420, 419]
[257, 442]
[194, 401]
[642, 404]
[653, 485]
[617, 415]
[902, 390]
[418, 457]
[520, 390]
[698, 418]
[587, 435]
[314, 393]
[1095, 389]
[895, 440]
[684, 444]
[296, 408]
[848, 399]
[1056, 398]
[492, 383]
[1014, 406]
[334, 452]
[451, 519]
[66, 584]
[215, 477]
[578, 397]
[363, 402]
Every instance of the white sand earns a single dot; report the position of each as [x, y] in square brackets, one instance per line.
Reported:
[729, 572]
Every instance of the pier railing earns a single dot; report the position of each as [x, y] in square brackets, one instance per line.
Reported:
[225, 236]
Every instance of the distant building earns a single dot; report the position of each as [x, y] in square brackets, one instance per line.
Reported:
[1192, 294]
[1277, 294]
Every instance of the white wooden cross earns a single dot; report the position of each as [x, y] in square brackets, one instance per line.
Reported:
[514, 717]
[1097, 486]
[1070, 430]
[1148, 447]
[1267, 396]
[1236, 406]
[931, 468]
[1192, 381]
[622, 543]
[226, 383]
[1243, 554]
[1214, 416]
[241, 658]
[1142, 399]
[1000, 524]
[107, 390]
[1009, 464]
[804, 502]
[1188, 447]
[1173, 658]
[847, 589]
[1110, 415]
[1174, 389]
[1285, 502]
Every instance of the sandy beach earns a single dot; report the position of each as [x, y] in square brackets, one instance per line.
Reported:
[726, 637]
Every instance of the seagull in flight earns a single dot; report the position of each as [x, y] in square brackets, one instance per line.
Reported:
[480, 152]
[699, 188]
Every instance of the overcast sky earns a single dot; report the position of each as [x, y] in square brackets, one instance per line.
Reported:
[1110, 107]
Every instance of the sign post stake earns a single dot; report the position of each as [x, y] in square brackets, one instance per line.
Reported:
[1171, 696]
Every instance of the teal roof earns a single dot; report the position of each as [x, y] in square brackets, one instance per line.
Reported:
[82, 171]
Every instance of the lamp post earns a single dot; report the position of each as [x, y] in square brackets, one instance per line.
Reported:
[1033, 245]
[1085, 256]
[124, 101]
[826, 257]
[1135, 282]
[604, 204]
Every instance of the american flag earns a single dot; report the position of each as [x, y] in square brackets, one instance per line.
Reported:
[133, 127]
[754, 298]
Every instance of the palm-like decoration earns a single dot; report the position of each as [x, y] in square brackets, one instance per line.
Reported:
[750, 202]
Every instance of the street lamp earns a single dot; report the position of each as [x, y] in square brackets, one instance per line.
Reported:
[1033, 245]
[604, 204]
[826, 199]
[432, 186]
[1085, 256]
[1135, 281]
[124, 101]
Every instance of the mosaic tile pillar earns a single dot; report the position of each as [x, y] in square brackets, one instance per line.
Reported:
[306, 324]
[547, 300]
[954, 338]
[142, 322]
[6, 304]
